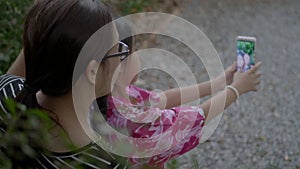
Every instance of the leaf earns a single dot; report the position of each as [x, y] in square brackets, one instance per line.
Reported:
[10, 105]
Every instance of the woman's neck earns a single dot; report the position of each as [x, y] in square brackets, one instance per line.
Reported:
[62, 110]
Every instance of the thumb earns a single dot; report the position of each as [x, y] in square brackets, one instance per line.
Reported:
[233, 67]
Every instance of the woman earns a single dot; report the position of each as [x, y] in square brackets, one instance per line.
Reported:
[54, 33]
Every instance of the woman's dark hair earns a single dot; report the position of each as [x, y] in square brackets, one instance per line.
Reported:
[54, 33]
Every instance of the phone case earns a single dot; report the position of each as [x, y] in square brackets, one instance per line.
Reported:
[245, 53]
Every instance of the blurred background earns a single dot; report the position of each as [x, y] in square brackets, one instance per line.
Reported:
[263, 131]
[13, 12]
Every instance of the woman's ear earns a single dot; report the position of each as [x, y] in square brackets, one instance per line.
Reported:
[91, 71]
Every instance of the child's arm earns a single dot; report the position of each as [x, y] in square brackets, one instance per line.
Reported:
[178, 96]
[243, 82]
[172, 97]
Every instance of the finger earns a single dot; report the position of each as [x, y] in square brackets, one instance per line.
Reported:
[234, 67]
[258, 74]
[257, 65]
[255, 89]
[255, 68]
[257, 82]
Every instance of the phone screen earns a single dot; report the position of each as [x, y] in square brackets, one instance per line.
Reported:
[245, 55]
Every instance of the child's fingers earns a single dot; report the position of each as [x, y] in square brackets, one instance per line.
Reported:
[255, 68]
[234, 64]
[234, 67]
[258, 74]
[257, 82]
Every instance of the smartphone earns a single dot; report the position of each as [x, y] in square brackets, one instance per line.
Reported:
[245, 52]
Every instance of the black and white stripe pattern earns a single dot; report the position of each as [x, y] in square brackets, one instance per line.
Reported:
[10, 86]
[88, 157]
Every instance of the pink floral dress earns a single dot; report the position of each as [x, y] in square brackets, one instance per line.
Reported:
[174, 131]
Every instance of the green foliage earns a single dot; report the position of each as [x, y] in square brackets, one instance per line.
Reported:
[132, 6]
[12, 15]
[195, 162]
[173, 164]
[26, 133]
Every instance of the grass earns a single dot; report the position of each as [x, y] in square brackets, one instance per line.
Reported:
[173, 164]
[132, 6]
[11, 23]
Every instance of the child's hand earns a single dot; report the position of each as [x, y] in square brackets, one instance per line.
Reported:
[229, 73]
[247, 81]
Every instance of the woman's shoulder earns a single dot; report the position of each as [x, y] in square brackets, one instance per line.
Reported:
[9, 79]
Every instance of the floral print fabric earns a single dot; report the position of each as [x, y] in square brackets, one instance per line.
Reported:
[169, 132]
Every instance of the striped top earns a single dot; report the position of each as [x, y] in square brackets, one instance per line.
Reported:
[91, 156]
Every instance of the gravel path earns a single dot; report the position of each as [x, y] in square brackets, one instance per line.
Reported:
[264, 130]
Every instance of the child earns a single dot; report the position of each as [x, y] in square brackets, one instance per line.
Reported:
[147, 115]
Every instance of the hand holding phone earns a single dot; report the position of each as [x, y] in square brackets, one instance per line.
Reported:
[245, 53]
